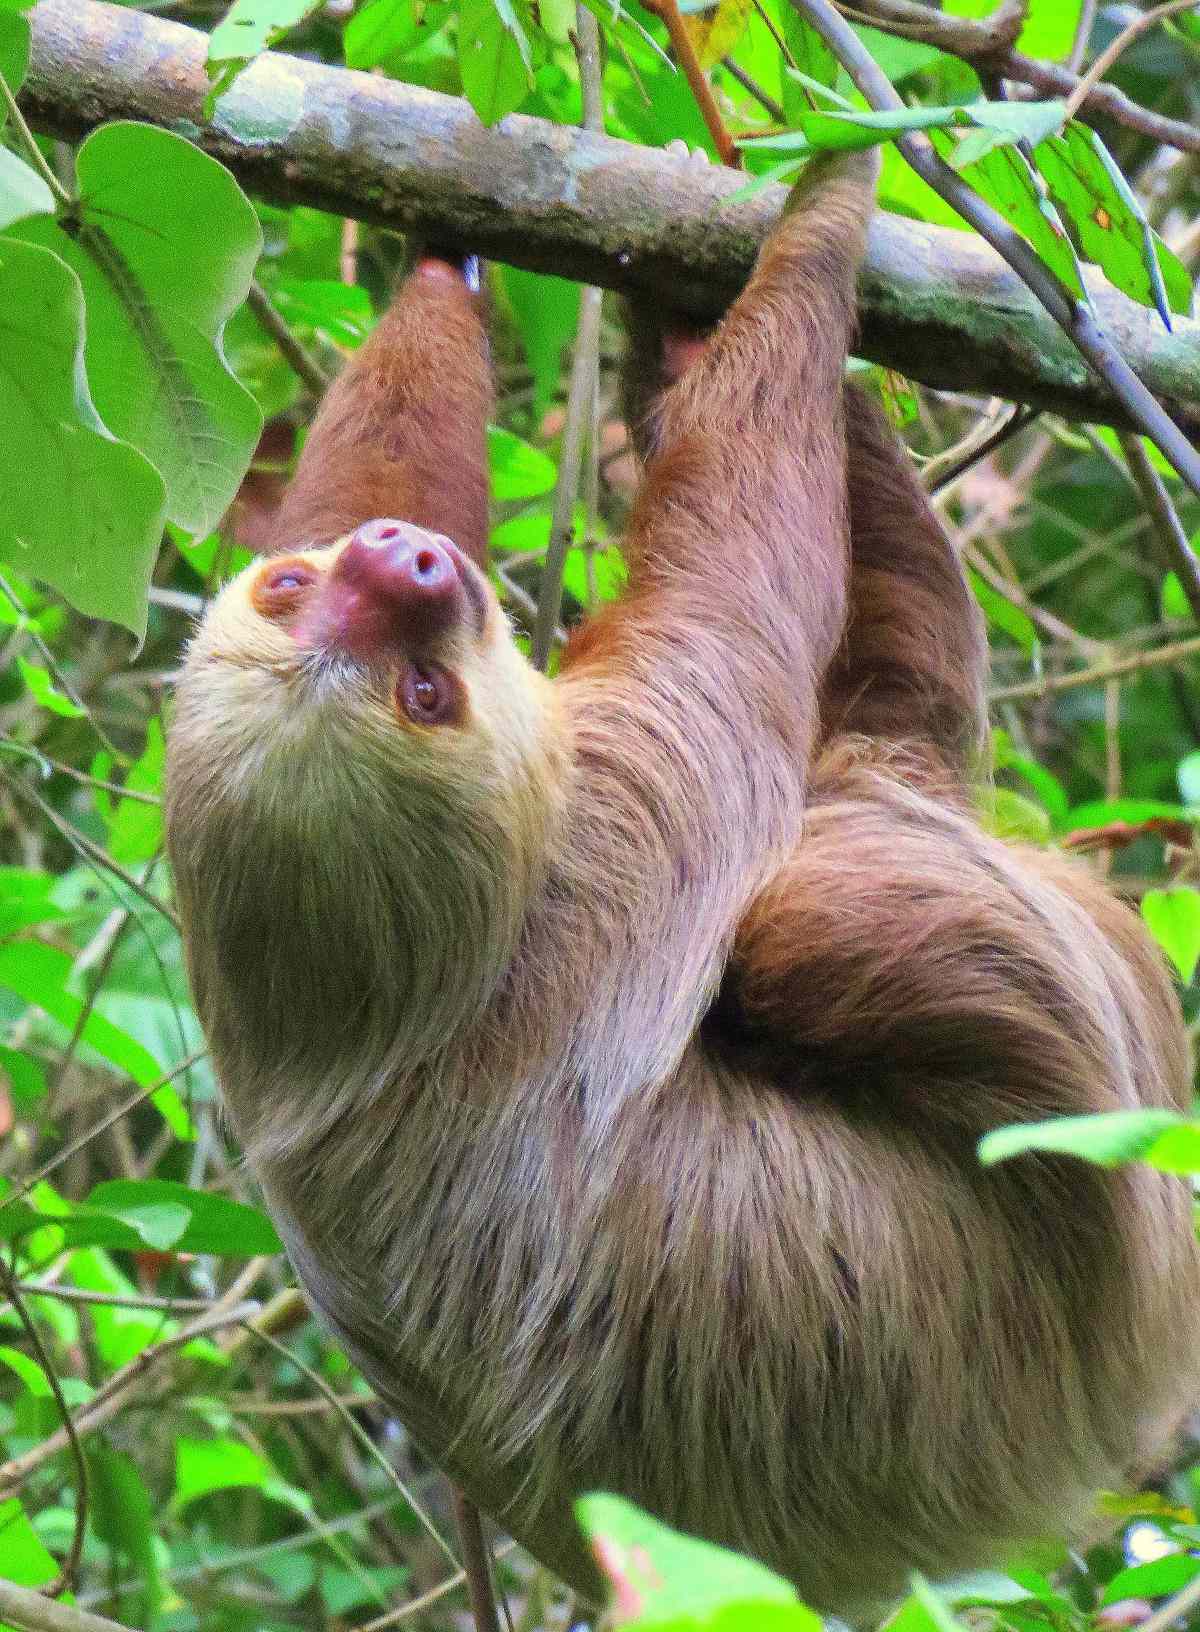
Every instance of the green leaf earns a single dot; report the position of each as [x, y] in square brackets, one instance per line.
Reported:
[660, 1577]
[22, 190]
[124, 1519]
[38, 974]
[1005, 179]
[899, 58]
[41, 687]
[1154, 1580]
[938, 1616]
[135, 829]
[1177, 1150]
[26, 1562]
[1011, 816]
[164, 243]
[518, 470]
[811, 56]
[1100, 812]
[1049, 29]
[383, 34]
[90, 525]
[1003, 121]
[26, 1078]
[250, 27]
[1173, 601]
[207, 1222]
[1173, 918]
[1002, 614]
[1107, 1139]
[344, 1590]
[546, 312]
[609, 573]
[493, 59]
[14, 51]
[1108, 221]
[206, 1465]
[25, 899]
[1044, 784]
[31, 1374]
[339, 312]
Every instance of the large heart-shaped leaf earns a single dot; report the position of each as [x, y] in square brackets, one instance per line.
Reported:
[78, 509]
[164, 242]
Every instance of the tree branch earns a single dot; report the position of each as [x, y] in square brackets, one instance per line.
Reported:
[32, 1612]
[937, 305]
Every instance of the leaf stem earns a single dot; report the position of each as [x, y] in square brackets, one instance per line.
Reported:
[29, 142]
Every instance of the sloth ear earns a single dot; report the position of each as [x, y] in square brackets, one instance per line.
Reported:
[402, 430]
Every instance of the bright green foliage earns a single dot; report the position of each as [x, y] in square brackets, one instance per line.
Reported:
[91, 522]
[14, 48]
[1107, 1139]
[1174, 920]
[493, 58]
[661, 1579]
[248, 28]
[163, 243]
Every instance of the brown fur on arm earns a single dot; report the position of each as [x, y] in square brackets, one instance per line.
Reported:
[401, 431]
[911, 667]
[738, 541]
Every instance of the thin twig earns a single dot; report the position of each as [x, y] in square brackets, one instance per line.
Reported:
[112, 1398]
[117, 1300]
[65, 1579]
[1012, 426]
[33, 152]
[1071, 314]
[274, 324]
[475, 1564]
[29, 1611]
[581, 392]
[1177, 652]
[258, 1329]
[88, 848]
[1165, 517]
[689, 63]
[570, 458]
[415, 1606]
[754, 89]
[61, 769]
[106, 1121]
[1131, 32]
[1174, 1609]
[50, 661]
[348, 255]
[1083, 33]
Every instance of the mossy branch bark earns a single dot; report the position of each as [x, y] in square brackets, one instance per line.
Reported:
[938, 305]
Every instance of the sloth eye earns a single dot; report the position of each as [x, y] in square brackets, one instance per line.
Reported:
[427, 695]
[281, 588]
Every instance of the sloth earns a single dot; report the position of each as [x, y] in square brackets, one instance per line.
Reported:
[613, 1049]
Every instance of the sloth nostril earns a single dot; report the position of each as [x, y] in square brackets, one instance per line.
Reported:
[386, 533]
[427, 563]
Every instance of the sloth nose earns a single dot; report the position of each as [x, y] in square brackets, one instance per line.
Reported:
[393, 585]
